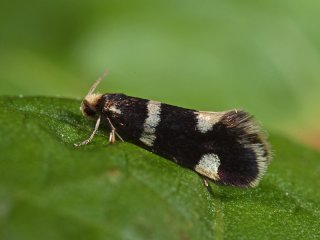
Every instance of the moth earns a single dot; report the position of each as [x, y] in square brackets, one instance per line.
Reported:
[227, 147]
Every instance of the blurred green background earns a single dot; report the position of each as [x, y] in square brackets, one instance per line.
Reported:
[262, 56]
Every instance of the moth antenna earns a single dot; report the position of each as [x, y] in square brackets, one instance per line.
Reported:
[96, 83]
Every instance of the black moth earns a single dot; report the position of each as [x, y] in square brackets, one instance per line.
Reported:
[226, 147]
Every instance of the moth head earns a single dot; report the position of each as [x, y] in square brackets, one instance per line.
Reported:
[89, 105]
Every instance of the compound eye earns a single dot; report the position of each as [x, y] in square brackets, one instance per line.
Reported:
[88, 110]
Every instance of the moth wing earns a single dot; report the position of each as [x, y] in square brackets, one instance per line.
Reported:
[235, 148]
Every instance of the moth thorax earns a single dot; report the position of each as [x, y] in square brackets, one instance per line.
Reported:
[89, 106]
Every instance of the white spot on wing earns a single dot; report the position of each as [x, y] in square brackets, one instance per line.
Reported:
[114, 109]
[153, 119]
[206, 120]
[208, 166]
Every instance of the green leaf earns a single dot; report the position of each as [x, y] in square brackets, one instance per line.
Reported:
[51, 190]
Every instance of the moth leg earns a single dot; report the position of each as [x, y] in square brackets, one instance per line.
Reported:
[85, 142]
[113, 133]
[119, 136]
[206, 184]
[112, 136]
[208, 187]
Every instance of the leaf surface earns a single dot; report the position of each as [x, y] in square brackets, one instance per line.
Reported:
[51, 190]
